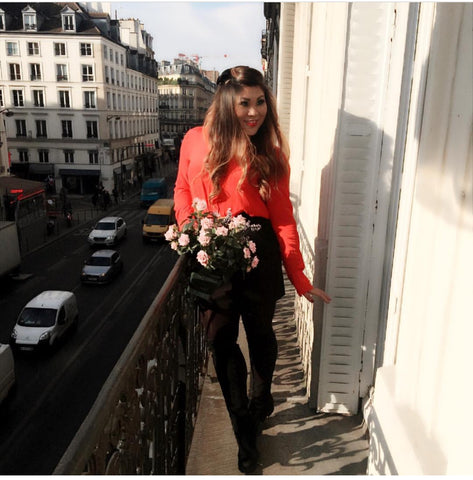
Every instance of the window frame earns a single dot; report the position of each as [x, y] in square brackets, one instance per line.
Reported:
[59, 46]
[90, 75]
[43, 156]
[33, 49]
[63, 95]
[38, 97]
[90, 99]
[12, 52]
[16, 74]
[92, 128]
[93, 157]
[68, 156]
[86, 49]
[60, 76]
[18, 97]
[68, 21]
[20, 124]
[66, 128]
[41, 128]
[23, 155]
[35, 72]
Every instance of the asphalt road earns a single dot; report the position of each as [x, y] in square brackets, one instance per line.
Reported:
[54, 392]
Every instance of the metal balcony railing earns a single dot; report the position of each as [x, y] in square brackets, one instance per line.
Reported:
[143, 419]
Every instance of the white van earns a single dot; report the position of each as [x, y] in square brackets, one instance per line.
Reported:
[7, 371]
[45, 319]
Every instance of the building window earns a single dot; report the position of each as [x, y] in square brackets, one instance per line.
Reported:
[35, 71]
[86, 49]
[15, 73]
[68, 23]
[38, 98]
[69, 156]
[87, 73]
[33, 48]
[93, 156]
[43, 156]
[29, 20]
[2, 103]
[60, 49]
[64, 99]
[66, 128]
[41, 128]
[111, 55]
[23, 155]
[89, 99]
[61, 70]
[107, 78]
[12, 49]
[20, 128]
[18, 100]
[2, 20]
[92, 130]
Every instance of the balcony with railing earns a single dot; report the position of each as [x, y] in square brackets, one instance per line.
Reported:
[143, 419]
[161, 410]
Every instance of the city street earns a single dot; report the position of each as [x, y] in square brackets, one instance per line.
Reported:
[55, 391]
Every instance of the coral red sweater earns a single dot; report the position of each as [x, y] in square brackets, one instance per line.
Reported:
[192, 182]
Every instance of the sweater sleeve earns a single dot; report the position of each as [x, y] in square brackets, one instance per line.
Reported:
[283, 222]
[182, 192]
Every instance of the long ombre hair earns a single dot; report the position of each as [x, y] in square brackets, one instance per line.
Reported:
[264, 156]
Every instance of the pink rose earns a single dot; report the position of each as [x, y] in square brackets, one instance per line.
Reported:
[207, 223]
[254, 262]
[174, 245]
[199, 204]
[222, 231]
[184, 240]
[246, 252]
[202, 258]
[203, 238]
[252, 246]
[171, 233]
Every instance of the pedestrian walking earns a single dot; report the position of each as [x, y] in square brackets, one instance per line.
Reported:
[239, 160]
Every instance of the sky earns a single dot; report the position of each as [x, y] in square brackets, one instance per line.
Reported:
[222, 34]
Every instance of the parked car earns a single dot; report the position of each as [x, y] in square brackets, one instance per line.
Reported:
[7, 371]
[45, 320]
[101, 267]
[108, 231]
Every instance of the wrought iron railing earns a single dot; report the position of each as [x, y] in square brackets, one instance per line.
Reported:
[143, 419]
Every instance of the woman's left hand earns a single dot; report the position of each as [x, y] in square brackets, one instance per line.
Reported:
[317, 292]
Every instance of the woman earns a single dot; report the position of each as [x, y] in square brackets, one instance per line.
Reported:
[239, 160]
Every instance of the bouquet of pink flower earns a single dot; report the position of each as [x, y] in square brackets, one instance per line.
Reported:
[220, 245]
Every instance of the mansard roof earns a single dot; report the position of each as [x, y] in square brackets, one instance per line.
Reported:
[50, 14]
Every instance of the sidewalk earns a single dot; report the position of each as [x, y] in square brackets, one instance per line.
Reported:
[295, 440]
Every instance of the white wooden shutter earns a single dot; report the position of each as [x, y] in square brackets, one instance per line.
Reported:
[357, 162]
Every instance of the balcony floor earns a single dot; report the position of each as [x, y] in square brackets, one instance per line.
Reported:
[295, 440]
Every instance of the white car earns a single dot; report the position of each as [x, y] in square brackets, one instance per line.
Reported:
[45, 320]
[108, 231]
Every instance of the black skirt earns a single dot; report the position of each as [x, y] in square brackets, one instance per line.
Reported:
[265, 282]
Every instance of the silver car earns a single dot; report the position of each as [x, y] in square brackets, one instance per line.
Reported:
[101, 267]
[108, 231]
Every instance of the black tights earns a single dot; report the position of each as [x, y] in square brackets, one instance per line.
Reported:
[230, 365]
